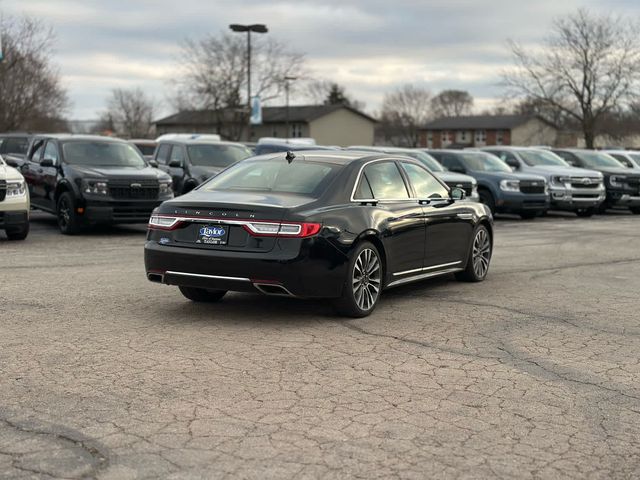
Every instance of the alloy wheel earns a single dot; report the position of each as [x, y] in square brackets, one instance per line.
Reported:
[367, 277]
[481, 253]
[64, 214]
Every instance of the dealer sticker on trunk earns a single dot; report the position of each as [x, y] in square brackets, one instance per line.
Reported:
[213, 235]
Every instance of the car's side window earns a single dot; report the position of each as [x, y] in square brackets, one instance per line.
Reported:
[450, 162]
[176, 154]
[163, 154]
[363, 190]
[51, 152]
[385, 181]
[622, 159]
[36, 151]
[569, 158]
[424, 183]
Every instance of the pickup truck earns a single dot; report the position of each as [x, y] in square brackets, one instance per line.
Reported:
[86, 180]
[571, 188]
[14, 203]
[501, 189]
[622, 183]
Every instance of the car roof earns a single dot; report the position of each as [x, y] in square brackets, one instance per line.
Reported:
[80, 137]
[196, 141]
[336, 157]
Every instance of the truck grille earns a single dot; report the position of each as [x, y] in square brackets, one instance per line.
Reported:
[3, 190]
[585, 182]
[466, 186]
[532, 186]
[134, 189]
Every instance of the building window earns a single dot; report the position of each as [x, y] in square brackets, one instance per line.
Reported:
[296, 130]
[499, 137]
[445, 138]
[481, 137]
[430, 139]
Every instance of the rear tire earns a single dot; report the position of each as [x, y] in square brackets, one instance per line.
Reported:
[202, 295]
[635, 210]
[363, 285]
[68, 221]
[479, 257]
[19, 233]
[486, 197]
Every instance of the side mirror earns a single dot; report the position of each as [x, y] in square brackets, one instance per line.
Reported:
[175, 163]
[458, 194]
[47, 162]
[153, 163]
[12, 162]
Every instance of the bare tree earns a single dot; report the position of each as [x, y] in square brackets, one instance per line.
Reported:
[31, 94]
[404, 112]
[130, 112]
[214, 75]
[321, 91]
[588, 68]
[452, 103]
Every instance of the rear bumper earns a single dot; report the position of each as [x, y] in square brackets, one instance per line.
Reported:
[318, 270]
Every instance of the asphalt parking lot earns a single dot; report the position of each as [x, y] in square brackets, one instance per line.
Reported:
[534, 373]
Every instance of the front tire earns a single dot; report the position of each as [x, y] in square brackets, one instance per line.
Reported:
[586, 213]
[363, 285]
[19, 233]
[479, 257]
[68, 221]
[486, 197]
[202, 295]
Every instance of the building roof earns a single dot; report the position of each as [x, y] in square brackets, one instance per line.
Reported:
[481, 122]
[297, 113]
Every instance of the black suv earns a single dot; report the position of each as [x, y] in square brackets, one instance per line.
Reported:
[192, 161]
[622, 183]
[89, 179]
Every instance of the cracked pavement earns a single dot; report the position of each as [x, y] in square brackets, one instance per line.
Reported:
[534, 373]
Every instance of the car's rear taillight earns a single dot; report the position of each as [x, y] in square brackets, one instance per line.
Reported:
[292, 230]
[163, 223]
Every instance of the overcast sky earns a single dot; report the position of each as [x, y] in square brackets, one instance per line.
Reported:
[369, 46]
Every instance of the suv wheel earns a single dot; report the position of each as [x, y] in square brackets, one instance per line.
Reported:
[68, 221]
[479, 257]
[19, 233]
[201, 294]
[486, 197]
[635, 210]
[363, 285]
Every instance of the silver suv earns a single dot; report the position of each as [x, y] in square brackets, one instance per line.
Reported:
[14, 203]
[571, 189]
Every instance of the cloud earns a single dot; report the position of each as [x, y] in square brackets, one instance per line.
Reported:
[369, 46]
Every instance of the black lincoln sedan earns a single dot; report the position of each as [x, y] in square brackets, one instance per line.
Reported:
[339, 225]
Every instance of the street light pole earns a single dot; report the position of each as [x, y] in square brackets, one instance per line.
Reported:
[286, 90]
[257, 28]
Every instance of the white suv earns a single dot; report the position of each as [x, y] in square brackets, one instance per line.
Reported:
[14, 203]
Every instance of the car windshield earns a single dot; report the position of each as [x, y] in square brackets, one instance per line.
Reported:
[597, 159]
[538, 157]
[427, 160]
[17, 145]
[146, 149]
[635, 157]
[275, 176]
[483, 162]
[211, 155]
[102, 154]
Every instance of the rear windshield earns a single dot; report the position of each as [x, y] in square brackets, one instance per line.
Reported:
[536, 157]
[275, 176]
[597, 159]
[102, 154]
[483, 162]
[208, 155]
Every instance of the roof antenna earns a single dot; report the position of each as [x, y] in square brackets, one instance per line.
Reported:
[290, 157]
